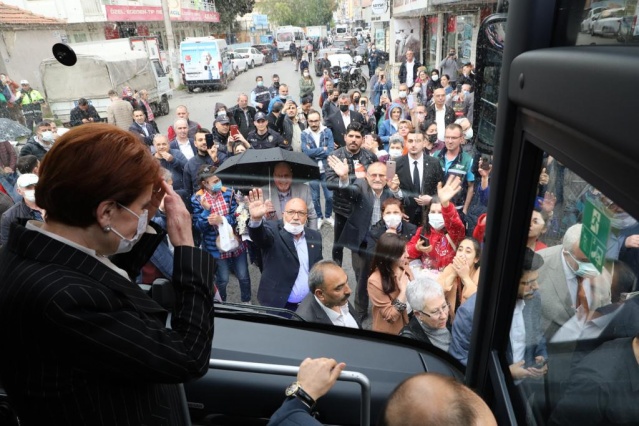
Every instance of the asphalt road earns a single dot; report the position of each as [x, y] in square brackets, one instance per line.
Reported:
[201, 106]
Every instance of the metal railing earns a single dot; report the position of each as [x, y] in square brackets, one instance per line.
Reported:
[287, 370]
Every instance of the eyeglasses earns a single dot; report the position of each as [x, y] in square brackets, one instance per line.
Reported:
[295, 213]
[444, 309]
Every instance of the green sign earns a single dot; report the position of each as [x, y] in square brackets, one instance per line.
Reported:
[594, 234]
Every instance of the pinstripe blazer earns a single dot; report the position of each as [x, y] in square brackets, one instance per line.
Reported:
[82, 345]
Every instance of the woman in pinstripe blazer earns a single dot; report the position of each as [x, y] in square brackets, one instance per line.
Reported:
[81, 343]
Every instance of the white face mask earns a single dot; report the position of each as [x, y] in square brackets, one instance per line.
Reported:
[468, 134]
[435, 78]
[402, 94]
[394, 153]
[416, 89]
[392, 220]
[293, 229]
[125, 244]
[47, 135]
[436, 220]
[622, 221]
[29, 195]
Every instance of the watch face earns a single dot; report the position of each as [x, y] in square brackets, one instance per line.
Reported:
[293, 387]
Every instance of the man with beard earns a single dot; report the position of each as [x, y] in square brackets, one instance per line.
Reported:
[327, 302]
[275, 87]
[202, 156]
[289, 251]
[358, 160]
[242, 115]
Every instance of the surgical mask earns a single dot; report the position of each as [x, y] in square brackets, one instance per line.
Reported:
[47, 136]
[432, 138]
[260, 83]
[306, 74]
[435, 77]
[276, 84]
[416, 89]
[293, 229]
[356, 100]
[468, 134]
[584, 269]
[392, 220]
[126, 245]
[436, 220]
[283, 97]
[221, 114]
[29, 195]
[402, 94]
[216, 187]
[394, 153]
[466, 92]
[334, 98]
[622, 220]
[343, 108]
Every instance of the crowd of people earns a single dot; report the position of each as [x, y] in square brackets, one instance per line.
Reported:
[399, 183]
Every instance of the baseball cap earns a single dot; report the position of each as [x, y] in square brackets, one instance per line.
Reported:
[27, 179]
[222, 119]
[260, 116]
[23, 82]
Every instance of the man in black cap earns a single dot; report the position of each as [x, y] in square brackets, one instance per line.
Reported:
[84, 113]
[263, 137]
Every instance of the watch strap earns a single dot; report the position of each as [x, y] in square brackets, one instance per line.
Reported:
[302, 395]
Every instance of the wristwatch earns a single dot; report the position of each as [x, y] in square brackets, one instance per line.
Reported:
[295, 389]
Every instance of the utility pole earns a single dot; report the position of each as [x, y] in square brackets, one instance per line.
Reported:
[170, 40]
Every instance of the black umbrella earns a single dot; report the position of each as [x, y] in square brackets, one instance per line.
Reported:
[254, 167]
[12, 130]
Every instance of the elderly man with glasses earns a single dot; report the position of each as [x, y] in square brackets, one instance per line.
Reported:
[289, 251]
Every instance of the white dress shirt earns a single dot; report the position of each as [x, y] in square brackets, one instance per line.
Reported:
[440, 119]
[186, 149]
[346, 116]
[518, 332]
[341, 319]
[420, 167]
[409, 73]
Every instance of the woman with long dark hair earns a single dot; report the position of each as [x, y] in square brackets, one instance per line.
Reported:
[387, 284]
[460, 279]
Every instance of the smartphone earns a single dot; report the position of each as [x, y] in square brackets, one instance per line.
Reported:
[362, 104]
[540, 365]
[391, 167]
[485, 163]
[384, 92]
[425, 239]
[234, 130]
[209, 140]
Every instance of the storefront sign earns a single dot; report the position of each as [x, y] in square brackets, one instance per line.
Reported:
[153, 13]
[380, 11]
[260, 21]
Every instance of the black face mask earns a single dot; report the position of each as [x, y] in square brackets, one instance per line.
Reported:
[432, 138]
[343, 108]
[276, 84]
[355, 100]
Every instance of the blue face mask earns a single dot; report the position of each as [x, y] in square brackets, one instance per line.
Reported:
[584, 269]
[216, 187]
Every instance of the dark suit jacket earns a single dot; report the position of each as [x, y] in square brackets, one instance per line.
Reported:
[449, 115]
[139, 132]
[293, 412]
[311, 311]
[92, 347]
[431, 176]
[281, 264]
[360, 196]
[336, 124]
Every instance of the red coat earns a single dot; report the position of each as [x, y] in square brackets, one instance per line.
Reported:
[442, 253]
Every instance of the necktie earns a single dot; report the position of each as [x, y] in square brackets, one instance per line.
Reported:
[146, 132]
[582, 300]
[416, 181]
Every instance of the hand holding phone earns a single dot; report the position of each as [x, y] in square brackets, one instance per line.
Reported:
[391, 167]
[234, 130]
[209, 140]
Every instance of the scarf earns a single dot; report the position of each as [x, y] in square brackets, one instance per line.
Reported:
[439, 337]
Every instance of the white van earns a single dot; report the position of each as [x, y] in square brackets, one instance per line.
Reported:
[205, 63]
[341, 30]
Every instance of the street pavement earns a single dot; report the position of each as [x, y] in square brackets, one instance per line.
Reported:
[201, 106]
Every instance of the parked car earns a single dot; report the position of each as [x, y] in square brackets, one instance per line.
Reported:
[254, 56]
[586, 24]
[240, 62]
[267, 51]
[345, 44]
[608, 22]
[628, 30]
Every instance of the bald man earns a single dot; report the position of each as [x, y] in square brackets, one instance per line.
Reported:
[431, 399]
[289, 251]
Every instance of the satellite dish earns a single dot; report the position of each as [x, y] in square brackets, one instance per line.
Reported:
[64, 54]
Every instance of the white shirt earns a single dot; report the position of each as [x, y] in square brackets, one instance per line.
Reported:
[420, 168]
[316, 138]
[341, 319]
[409, 73]
[440, 119]
[186, 149]
[346, 117]
[518, 332]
